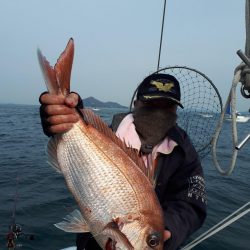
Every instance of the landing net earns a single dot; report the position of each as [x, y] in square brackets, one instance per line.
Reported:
[202, 106]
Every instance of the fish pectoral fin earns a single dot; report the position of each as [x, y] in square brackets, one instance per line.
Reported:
[73, 223]
[51, 153]
[112, 231]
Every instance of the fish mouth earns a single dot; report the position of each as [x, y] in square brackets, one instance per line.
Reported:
[110, 245]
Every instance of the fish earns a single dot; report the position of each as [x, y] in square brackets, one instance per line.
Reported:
[112, 187]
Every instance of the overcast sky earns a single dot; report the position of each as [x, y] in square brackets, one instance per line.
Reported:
[116, 43]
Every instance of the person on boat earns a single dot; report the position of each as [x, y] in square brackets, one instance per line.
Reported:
[152, 129]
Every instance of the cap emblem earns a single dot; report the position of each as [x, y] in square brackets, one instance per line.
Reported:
[165, 87]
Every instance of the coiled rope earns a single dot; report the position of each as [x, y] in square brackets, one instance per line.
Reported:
[242, 74]
[231, 100]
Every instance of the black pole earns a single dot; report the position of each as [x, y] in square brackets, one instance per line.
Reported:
[162, 27]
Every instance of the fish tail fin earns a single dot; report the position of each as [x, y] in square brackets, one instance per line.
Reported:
[63, 67]
[49, 74]
[57, 78]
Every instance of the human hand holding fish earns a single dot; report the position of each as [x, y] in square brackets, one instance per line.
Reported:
[58, 112]
[109, 181]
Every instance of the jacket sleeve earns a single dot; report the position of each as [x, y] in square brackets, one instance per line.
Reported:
[182, 194]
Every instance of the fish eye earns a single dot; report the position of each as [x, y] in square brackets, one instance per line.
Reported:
[153, 240]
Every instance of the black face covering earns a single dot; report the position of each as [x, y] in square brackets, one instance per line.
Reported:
[152, 124]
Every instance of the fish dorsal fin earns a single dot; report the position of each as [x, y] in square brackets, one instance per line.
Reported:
[57, 78]
[94, 120]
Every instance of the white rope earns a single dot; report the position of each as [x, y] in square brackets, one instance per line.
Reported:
[231, 99]
[221, 225]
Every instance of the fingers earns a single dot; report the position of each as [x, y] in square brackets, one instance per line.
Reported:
[60, 128]
[62, 119]
[167, 235]
[58, 109]
[59, 104]
[59, 123]
[58, 113]
[48, 99]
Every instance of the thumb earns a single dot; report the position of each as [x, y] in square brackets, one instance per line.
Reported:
[166, 235]
[72, 100]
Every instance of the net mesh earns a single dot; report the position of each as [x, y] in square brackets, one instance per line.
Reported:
[202, 106]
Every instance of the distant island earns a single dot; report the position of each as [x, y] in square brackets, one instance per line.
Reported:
[94, 103]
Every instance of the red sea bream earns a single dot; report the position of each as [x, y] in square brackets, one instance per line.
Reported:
[117, 202]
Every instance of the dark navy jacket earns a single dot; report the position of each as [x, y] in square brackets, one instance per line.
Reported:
[180, 189]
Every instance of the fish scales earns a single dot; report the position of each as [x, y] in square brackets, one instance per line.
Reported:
[99, 173]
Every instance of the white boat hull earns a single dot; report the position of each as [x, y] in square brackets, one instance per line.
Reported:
[240, 118]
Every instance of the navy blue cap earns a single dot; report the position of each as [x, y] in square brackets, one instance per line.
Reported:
[160, 86]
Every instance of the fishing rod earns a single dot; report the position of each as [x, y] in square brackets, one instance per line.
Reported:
[15, 202]
[15, 230]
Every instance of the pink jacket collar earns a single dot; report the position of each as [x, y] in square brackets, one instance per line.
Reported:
[127, 133]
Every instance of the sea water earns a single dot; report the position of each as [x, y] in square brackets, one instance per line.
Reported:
[42, 199]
